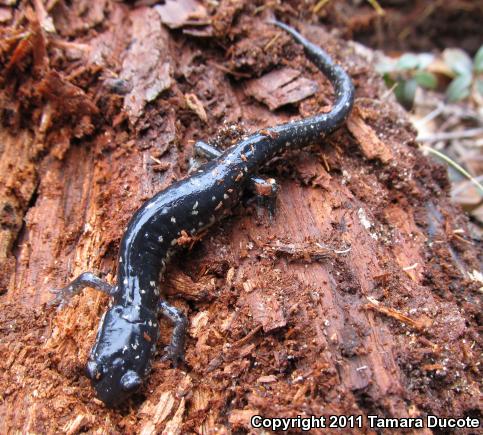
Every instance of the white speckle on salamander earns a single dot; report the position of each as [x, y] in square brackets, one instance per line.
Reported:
[143, 291]
[152, 283]
[194, 212]
[160, 239]
[120, 259]
[225, 196]
[195, 206]
[200, 224]
[173, 219]
[125, 282]
[213, 198]
[164, 210]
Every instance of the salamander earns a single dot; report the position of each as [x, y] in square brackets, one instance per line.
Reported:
[128, 331]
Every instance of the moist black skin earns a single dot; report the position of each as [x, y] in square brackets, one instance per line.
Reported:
[129, 330]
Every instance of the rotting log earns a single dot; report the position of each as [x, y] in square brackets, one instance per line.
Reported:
[360, 296]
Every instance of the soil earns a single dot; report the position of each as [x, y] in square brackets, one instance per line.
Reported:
[360, 296]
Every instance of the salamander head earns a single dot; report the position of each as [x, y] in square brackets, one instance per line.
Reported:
[112, 381]
[120, 357]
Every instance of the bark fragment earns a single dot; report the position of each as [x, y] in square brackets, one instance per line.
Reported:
[281, 87]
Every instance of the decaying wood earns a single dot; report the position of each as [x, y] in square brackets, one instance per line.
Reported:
[280, 87]
[360, 296]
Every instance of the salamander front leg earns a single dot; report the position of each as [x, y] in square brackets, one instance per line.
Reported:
[202, 149]
[175, 350]
[86, 279]
[206, 150]
[265, 191]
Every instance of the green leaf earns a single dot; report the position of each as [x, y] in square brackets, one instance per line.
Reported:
[410, 90]
[478, 62]
[458, 61]
[425, 60]
[405, 92]
[459, 88]
[426, 79]
[407, 61]
[479, 86]
[386, 65]
[399, 91]
[388, 80]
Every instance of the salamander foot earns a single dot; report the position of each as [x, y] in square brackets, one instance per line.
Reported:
[206, 150]
[175, 350]
[174, 355]
[265, 191]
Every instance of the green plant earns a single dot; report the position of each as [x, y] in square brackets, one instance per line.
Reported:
[409, 71]
[405, 74]
[467, 76]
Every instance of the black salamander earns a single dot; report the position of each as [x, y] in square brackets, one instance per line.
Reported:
[128, 331]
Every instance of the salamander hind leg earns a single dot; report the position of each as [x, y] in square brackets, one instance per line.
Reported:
[175, 350]
[86, 279]
[265, 191]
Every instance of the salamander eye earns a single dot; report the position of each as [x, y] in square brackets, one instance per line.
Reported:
[130, 381]
[118, 310]
[94, 370]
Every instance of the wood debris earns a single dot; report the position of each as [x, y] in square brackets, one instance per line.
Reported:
[156, 414]
[242, 417]
[266, 310]
[281, 87]
[179, 13]
[371, 146]
[302, 251]
[181, 284]
[419, 325]
[76, 424]
[148, 77]
[196, 106]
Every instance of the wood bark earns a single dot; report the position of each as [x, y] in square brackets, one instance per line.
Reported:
[360, 296]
